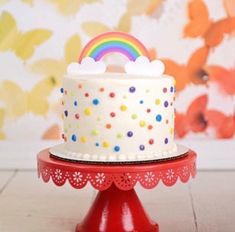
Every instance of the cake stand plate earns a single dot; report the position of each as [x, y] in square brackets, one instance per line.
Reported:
[61, 152]
[117, 206]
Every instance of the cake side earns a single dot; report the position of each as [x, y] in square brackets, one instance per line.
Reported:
[118, 116]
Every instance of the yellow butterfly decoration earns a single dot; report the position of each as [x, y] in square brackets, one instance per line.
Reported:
[134, 8]
[57, 67]
[22, 44]
[2, 114]
[18, 102]
[70, 7]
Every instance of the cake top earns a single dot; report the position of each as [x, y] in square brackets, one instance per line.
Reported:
[139, 63]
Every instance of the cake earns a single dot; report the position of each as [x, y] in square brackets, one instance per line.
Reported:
[121, 117]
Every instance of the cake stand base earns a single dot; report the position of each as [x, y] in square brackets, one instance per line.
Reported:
[117, 210]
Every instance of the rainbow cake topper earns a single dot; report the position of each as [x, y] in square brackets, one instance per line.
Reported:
[110, 42]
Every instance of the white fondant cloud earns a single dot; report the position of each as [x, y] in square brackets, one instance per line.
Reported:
[87, 66]
[142, 66]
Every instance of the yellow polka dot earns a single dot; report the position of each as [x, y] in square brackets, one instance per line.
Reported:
[123, 107]
[119, 135]
[78, 125]
[87, 111]
[134, 116]
[95, 132]
[171, 131]
[65, 130]
[105, 144]
[83, 139]
[72, 94]
[62, 116]
[157, 101]
[142, 123]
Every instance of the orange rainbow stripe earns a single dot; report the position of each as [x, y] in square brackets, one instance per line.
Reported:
[110, 42]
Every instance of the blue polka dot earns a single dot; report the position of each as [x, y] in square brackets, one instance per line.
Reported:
[158, 118]
[129, 133]
[141, 101]
[142, 147]
[62, 90]
[75, 103]
[74, 138]
[166, 140]
[97, 144]
[132, 89]
[66, 113]
[117, 148]
[95, 101]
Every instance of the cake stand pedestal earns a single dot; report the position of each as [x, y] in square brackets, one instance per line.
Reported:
[117, 206]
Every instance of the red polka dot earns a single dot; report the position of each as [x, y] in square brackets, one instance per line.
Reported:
[167, 121]
[86, 94]
[151, 141]
[65, 92]
[79, 86]
[164, 90]
[108, 126]
[150, 127]
[77, 116]
[112, 114]
[148, 110]
[101, 89]
[112, 94]
[65, 138]
[62, 136]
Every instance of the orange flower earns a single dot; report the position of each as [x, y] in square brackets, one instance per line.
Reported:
[225, 78]
[201, 25]
[194, 119]
[193, 71]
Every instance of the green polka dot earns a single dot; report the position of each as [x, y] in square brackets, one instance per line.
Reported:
[95, 132]
[134, 116]
[119, 135]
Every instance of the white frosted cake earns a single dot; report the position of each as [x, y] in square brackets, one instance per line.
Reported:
[117, 116]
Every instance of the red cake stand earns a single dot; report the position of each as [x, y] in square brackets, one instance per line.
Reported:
[117, 207]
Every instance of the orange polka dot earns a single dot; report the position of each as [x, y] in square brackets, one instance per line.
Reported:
[108, 126]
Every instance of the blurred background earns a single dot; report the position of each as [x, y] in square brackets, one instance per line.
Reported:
[195, 39]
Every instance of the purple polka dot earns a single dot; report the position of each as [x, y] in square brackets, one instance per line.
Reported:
[142, 147]
[129, 133]
[172, 89]
[66, 113]
[132, 89]
[166, 103]
[166, 140]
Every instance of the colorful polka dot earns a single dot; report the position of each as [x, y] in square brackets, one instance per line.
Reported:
[105, 144]
[108, 126]
[158, 118]
[157, 101]
[61, 90]
[166, 140]
[98, 119]
[151, 141]
[77, 116]
[83, 139]
[74, 138]
[102, 89]
[79, 86]
[132, 89]
[129, 133]
[148, 110]
[95, 101]
[66, 113]
[87, 111]
[112, 95]
[65, 92]
[172, 89]
[142, 147]
[164, 90]
[141, 101]
[117, 148]
[134, 116]
[97, 144]
[142, 123]
[123, 107]
[112, 114]
[166, 103]
[119, 135]
[62, 102]
[167, 121]
[171, 131]
[75, 103]
[150, 127]
[86, 94]
[95, 132]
